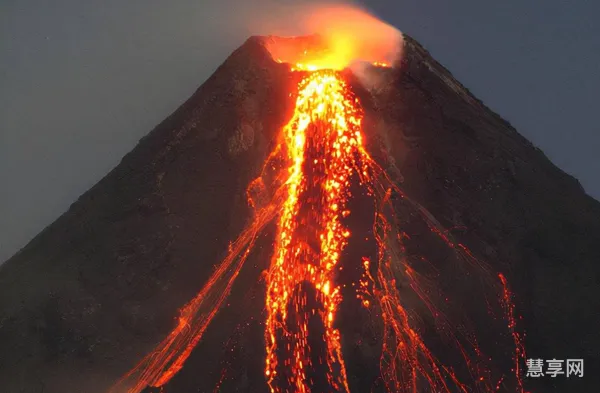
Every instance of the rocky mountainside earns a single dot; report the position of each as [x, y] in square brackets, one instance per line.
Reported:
[98, 288]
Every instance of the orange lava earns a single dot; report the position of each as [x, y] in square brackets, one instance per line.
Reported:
[322, 141]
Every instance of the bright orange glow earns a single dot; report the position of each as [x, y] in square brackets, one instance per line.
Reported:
[319, 53]
[345, 35]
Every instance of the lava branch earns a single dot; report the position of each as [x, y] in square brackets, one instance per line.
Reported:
[157, 368]
[406, 362]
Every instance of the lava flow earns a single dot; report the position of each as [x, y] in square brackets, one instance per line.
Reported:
[322, 141]
[322, 156]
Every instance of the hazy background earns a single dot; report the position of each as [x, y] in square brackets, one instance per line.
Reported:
[81, 81]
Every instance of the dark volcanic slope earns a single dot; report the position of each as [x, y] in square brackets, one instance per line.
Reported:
[96, 289]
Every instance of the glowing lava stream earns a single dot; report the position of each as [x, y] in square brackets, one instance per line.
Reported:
[322, 151]
[322, 141]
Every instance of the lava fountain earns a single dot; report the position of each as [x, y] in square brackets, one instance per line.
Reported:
[320, 155]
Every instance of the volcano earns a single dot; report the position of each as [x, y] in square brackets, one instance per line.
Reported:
[312, 229]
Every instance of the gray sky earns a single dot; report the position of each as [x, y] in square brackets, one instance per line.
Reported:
[81, 81]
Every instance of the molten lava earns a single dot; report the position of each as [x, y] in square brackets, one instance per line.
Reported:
[323, 155]
[322, 142]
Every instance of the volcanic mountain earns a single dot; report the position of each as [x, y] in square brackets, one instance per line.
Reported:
[478, 252]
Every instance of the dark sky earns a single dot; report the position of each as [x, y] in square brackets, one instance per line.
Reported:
[81, 81]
